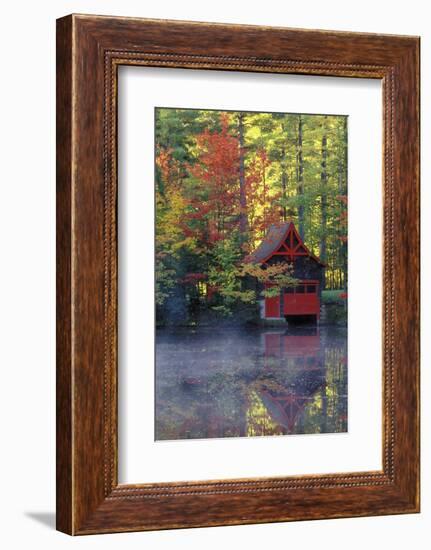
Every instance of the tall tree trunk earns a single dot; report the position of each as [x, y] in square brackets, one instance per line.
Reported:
[300, 179]
[283, 182]
[243, 222]
[323, 195]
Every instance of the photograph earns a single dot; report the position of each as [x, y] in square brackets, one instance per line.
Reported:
[251, 273]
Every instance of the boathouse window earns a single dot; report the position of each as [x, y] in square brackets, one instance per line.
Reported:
[300, 289]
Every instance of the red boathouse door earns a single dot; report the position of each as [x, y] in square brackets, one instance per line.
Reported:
[302, 299]
[272, 306]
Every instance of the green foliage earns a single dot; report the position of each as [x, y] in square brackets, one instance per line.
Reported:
[225, 275]
[274, 277]
[333, 297]
[165, 281]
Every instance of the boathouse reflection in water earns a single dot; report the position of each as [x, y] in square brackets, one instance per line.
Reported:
[256, 383]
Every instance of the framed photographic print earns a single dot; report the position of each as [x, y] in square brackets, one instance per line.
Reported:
[237, 274]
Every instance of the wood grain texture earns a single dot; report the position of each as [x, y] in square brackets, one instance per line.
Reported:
[90, 49]
[64, 496]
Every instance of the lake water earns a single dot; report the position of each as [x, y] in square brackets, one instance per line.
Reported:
[244, 383]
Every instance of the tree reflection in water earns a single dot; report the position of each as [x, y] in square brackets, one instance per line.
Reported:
[231, 383]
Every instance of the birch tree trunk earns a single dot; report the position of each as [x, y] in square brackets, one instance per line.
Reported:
[243, 221]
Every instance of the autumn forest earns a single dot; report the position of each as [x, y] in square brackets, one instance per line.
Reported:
[222, 179]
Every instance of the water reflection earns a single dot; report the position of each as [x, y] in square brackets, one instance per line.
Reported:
[230, 383]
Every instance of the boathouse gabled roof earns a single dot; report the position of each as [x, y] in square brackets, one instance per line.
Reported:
[281, 238]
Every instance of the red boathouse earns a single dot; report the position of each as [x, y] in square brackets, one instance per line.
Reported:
[284, 244]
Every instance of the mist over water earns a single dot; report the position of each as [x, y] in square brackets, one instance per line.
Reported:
[228, 382]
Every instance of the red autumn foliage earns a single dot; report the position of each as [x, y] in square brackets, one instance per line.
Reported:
[193, 278]
[217, 174]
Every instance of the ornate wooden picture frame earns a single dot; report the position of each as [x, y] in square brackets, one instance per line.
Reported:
[89, 51]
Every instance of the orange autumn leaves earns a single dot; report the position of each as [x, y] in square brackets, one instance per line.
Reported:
[210, 210]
